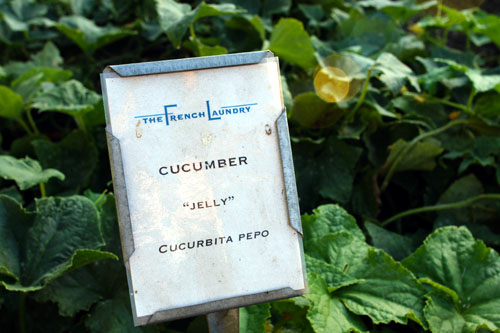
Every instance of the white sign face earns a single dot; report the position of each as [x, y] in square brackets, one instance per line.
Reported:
[204, 182]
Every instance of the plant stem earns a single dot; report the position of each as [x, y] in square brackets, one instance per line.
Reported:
[80, 123]
[24, 126]
[361, 99]
[471, 99]
[409, 146]
[101, 196]
[22, 312]
[32, 122]
[452, 104]
[191, 31]
[43, 192]
[440, 207]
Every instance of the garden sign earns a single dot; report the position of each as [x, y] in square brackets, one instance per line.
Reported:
[204, 181]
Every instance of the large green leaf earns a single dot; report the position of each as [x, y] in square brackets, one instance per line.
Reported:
[420, 157]
[19, 15]
[76, 156]
[71, 98]
[14, 224]
[481, 81]
[334, 277]
[114, 315]
[253, 318]
[387, 291]
[399, 10]
[327, 169]
[87, 35]
[395, 73]
[467, 272]
[65, 235]
[11, 104]
[29, 83]
[26, 172]
[106, 207]
[295, 310]
[311, 111]
[398, 246]
[290, 42]
[483, 153]
[49, 56]
[80, 289]
[329, 219]
[327, 314]
[175, 18]
[72, 292]
[337, 168]
[489, 25]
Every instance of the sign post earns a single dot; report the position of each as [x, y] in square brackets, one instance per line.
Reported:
[224, 321]
[204, 183]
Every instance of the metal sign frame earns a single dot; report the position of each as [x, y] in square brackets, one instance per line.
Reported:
[119, 182]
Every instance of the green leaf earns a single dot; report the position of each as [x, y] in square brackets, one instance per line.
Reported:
[489, 25]
[114, 315]
[14, 224]
[395, 73]
[276, 7]
[175, 18]
[368, 35]
[327, 169]
[106, 206]
[399, 10]
[388, 291]
[311, 111]
[253, 318]
[13, 193]
[26, 172]
[486, 107]
[19, 15]
[29, 83]
[76, 156]
[11, 104]
[334, 277]
[292, 312]
[329, 219]
[71, 98]
[337, 169]
[398, 246]
[461, 189]
[290, 42]
[65, 235]
[49, 56]
[202, 50]
[87, 35]
[451, 258]
[420, 157]
[79, 289]
[481, 81]
[483, 153]
[443, 316]
[72, 292]
[326, 313]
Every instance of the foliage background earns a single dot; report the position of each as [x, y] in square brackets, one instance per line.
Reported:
[412, 156]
